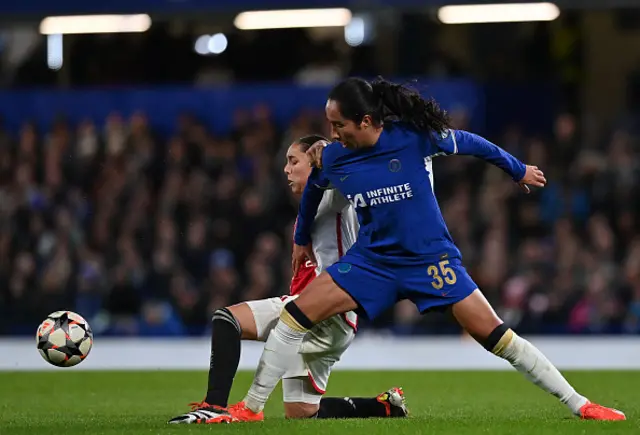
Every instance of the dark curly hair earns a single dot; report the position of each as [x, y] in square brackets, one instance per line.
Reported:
[384, 101]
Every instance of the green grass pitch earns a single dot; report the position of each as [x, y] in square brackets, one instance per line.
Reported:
[442, 403]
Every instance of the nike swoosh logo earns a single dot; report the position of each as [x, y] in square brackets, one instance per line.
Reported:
[344, 178]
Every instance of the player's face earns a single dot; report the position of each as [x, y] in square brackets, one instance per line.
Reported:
[345, 131]
[297, 169]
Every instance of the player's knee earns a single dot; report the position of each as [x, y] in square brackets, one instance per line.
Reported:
[295, 318]
[245, 317]
[224, 315]
[498, 339]
[294, 410]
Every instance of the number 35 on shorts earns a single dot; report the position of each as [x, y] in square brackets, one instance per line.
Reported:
[442, 274]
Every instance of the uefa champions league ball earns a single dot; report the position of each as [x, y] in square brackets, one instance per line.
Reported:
[64, 339]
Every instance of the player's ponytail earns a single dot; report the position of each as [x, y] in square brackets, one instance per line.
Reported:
[384, 101]
[404, 104]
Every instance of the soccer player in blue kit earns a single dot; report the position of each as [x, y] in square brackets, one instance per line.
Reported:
[383, 133]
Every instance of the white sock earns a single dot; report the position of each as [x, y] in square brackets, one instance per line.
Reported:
[529, 361]
[283, 343]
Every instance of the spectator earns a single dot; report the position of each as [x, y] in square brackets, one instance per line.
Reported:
[149, 236]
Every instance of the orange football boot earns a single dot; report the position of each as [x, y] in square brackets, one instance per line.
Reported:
[240, 412]
[593, 411]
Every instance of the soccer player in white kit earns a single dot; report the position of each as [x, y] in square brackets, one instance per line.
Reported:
[335, 230]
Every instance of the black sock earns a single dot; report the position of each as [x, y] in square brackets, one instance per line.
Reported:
[225, 357]
[351, 407]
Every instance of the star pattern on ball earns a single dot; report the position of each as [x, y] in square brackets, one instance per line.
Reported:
[64, 325]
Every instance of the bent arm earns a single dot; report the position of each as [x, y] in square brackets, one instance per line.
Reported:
[311, 198]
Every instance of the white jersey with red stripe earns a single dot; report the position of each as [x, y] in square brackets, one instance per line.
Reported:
[335, 229]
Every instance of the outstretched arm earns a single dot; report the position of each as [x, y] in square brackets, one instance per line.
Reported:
[465, 143]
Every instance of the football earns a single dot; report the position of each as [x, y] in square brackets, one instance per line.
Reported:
[64, 339]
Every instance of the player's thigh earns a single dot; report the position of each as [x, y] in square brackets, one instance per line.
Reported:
[246, 320]
[300, 399]
[476, 316]
[263, 314]
[323, 298]
[356, 284]
[436, 286]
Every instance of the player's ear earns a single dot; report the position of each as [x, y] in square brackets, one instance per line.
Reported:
[366, 122]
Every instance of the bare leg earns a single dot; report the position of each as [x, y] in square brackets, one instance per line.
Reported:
[323, 299]
[478, 318]
[247, 322]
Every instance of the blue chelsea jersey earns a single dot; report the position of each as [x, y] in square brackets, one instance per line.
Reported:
[400, 219]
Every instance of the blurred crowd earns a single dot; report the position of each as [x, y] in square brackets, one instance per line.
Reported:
[146, 235]
[563, 259]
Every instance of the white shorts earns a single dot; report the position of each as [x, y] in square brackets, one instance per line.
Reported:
[321, 348]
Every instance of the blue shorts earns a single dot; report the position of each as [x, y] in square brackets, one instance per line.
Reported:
[377, 287]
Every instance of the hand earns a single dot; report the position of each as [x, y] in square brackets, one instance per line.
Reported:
[532, 177]
[314, 153]
[300, 256]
